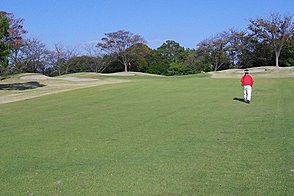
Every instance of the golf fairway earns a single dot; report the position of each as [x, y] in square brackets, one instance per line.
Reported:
[151, 136]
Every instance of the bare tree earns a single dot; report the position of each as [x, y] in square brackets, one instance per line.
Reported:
[100, 62]
[59, 57]
[275, 30]
[92, 49]
[239, 48]
[117, 43]
[215, 49]
[35, 56]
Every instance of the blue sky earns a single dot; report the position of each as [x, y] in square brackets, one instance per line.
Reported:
[75, 22]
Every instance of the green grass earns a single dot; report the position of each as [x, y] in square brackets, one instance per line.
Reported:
[159, 136]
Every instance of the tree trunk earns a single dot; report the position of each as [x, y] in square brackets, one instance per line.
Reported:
[215, 68]
[277, 57]
[216, 65]
[126, 67]
[277, 61]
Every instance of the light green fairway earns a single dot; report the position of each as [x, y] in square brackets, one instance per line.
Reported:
[157, 136]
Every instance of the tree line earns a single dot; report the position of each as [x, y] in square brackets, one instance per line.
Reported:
[265, 42]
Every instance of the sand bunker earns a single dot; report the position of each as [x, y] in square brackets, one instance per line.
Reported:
[36, 85]
[263, 72]
[42, 77]
[129, 74]
[35, 77]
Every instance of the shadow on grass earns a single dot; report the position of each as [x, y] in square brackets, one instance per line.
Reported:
[239, 99]
[21, 86]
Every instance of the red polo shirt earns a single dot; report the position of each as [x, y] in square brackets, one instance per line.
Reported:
[247, 80]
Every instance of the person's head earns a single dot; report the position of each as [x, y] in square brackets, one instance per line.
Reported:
[246, 71]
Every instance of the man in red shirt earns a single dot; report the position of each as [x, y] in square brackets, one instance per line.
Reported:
[247, 83]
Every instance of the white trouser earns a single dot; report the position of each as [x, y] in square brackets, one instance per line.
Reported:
[247, 92]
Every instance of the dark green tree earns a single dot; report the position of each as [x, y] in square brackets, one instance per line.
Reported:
[85, 64]
[5, 48]
[139, 53]
[197, 62]
[172, 51]
[14, 39]
[263, 55]
[178, 68]
[159, 61]
[156, 63]
[287, 55]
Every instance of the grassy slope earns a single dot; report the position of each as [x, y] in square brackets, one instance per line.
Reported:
[16, 89]
[181, 135]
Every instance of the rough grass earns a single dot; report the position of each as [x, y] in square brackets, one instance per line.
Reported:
[159, 136]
